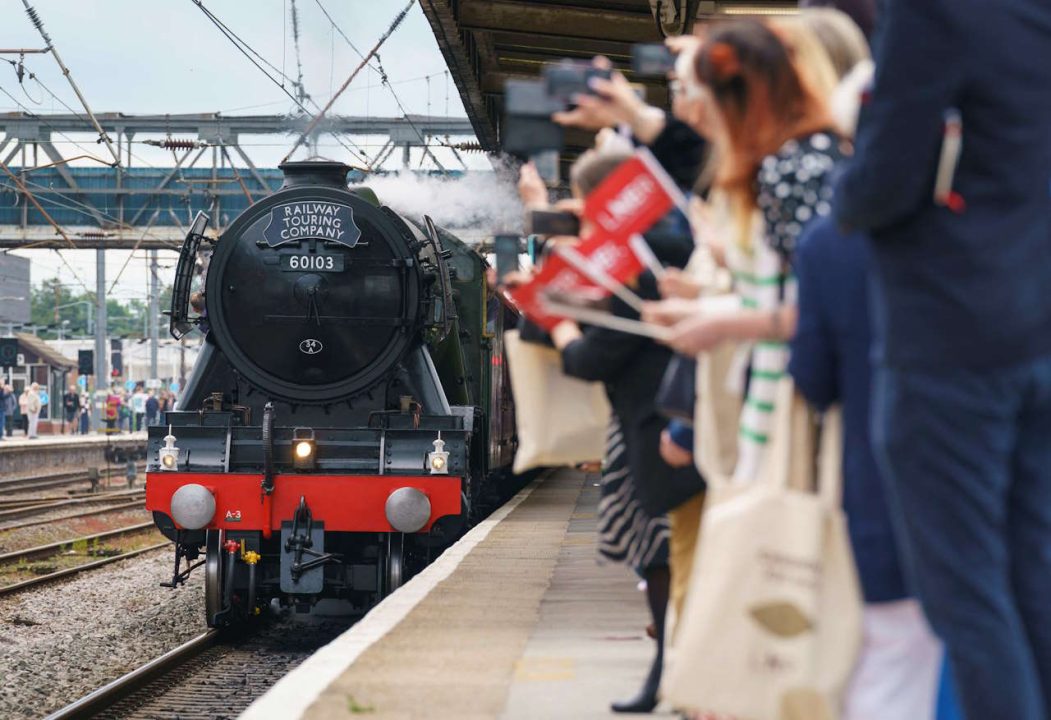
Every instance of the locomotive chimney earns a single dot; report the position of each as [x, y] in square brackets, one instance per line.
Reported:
[327, 173]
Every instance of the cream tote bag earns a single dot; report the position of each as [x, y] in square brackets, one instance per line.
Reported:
[560, 420]
[716, 415]
[772, 621]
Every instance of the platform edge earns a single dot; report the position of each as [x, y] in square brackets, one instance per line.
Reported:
[293, 694]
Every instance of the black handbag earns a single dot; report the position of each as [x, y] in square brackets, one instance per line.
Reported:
[658, 487]
[677, 393]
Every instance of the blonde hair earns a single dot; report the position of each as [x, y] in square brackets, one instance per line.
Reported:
[839, 35]
[809, 55]
[770, 82]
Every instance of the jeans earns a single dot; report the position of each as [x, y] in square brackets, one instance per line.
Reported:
[3, 417]
[966, 456]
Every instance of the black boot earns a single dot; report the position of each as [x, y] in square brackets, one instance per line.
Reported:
[646, 699]
[658, 586]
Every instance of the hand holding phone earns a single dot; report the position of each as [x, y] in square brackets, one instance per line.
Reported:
[507, 251]
[551, 222]
[651, 59]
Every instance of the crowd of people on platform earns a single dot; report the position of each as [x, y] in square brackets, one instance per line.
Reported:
[123, 410]
[886, 268]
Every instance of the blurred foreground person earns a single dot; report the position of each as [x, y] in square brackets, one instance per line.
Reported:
[962, 404]
[637, 487]
[777, 148]
[896, 677]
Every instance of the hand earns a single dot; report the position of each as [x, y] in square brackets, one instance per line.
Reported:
[674, 283]
[696, 335]
[570, 205]
[590, 113]
[531, 188]
[613, 103]
[672, 454]
[669, 312]
[511, 280]
[564, 333]
[683, 43]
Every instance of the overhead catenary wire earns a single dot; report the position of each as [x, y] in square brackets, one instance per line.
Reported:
[43, 119]
[58, 228]
[248, 51]
[332, 100]
[39, 25]
[245, 49]
[63, 103]
[138, 242]
[386, 82]
[32, 198]
[69, 203]
[300, 89]
[342, 34]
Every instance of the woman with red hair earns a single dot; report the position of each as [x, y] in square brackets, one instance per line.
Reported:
[775, 148]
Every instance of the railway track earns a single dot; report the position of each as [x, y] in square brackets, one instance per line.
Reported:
[58, 549]
[214, 675]
[16, 509]
[117, 502]
[55, 480]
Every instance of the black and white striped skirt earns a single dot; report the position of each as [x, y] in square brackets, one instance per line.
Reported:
[626, 533]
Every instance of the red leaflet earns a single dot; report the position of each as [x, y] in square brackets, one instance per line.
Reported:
[628, 202]
[635, 196]
[612, 255]
[555, 275]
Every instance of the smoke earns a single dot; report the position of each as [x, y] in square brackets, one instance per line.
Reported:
[475, 205]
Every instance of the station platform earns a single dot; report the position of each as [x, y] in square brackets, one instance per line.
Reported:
[21, 457]
[516, 621]
[16, 442]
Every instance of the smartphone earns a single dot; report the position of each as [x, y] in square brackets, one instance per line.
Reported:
[524, 137]
[568, 78]
[547, 166]
[651, 59]
[529, 98]
[550, 222]
[506, 249]
[527, 128]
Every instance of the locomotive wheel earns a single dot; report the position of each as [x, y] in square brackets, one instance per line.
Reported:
[213, 575]
[395, 561]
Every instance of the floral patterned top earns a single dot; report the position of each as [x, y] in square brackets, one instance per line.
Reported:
[793, 188]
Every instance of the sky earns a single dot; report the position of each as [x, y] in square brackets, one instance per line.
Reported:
[165, 56]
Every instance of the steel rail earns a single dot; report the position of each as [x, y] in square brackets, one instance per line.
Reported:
[109, 695]
[15, 509]
[135, 504]
[53, 548]
[67, 572]
[40, 482]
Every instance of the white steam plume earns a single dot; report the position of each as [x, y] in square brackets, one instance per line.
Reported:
[474, 206]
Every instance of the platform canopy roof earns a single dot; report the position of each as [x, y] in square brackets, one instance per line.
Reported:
[486, 42]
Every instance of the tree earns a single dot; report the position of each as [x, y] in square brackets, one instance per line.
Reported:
[53, 303]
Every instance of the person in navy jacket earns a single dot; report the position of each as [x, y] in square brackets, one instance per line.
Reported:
[962, 324]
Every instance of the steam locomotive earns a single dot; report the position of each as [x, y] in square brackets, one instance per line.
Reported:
[349, 413]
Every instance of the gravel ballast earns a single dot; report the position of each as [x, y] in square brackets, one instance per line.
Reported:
[62, 641]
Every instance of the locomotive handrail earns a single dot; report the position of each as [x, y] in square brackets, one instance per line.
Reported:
[443, 276]
[180, 322]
